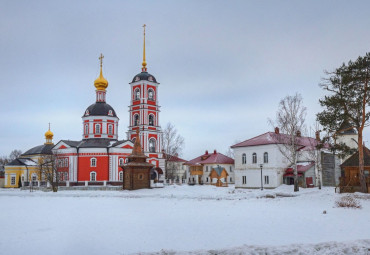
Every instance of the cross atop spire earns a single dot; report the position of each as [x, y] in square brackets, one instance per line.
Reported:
[101, 60]
[144, 62]
[49, 125]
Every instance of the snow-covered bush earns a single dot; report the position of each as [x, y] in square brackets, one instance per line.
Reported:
[348, 202]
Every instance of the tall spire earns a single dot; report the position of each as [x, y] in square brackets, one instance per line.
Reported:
[144, 62]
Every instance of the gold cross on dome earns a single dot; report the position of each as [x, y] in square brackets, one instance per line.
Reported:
[101, 59]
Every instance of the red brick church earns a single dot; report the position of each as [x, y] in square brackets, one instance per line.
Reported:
[98, 156]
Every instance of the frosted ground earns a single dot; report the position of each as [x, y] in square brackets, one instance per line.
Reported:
[182, 220]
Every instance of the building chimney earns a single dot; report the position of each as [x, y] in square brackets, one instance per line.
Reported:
[298, 133]
[317, 134]
[277, 130]
[214, 152]
[206, 152]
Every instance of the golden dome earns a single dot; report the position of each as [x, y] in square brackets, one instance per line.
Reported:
[49, 135]
[101, 83]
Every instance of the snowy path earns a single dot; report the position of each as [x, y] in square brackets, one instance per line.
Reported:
[178, 218]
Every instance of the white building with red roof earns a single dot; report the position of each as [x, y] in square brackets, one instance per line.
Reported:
[263, 152]
[200, 168]
[175, 168]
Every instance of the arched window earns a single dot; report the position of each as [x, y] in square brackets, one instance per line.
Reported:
[152, 145]
[121, 175]
[265, 157]
[86, 129]
[244, 159]
[136, 119]
[97, 129]
[137, 94]
[126, 160]
[150, 94]
[151, 120]
[121, 161]
[66, 162]
[92, 176]
[93, 162]
[254, 158]
[110, 129]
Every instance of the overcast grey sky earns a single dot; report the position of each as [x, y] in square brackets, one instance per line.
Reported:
[223, 65]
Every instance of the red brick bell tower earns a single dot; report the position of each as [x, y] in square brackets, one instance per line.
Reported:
[144, 114]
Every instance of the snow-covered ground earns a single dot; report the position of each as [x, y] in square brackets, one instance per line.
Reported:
[182, 220]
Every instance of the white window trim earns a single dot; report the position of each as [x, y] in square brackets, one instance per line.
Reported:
[91, 173]
[91, 162]
[96, 129]
[15, 179]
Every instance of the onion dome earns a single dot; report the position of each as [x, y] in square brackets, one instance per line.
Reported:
[100, 109]
[49, 136]
[101, 83]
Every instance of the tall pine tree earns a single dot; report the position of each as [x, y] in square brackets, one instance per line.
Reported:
[348, 100]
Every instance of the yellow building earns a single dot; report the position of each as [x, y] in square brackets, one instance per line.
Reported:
[24, 170]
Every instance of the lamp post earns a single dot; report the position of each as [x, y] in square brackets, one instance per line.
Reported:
[261, 166]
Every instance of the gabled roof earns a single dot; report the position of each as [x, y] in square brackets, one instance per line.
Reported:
[22, 162]
[218, 170]
[94, 143]
[214, 158]
[301, 168]
[273, 138]
[173, 158]
[353, 160]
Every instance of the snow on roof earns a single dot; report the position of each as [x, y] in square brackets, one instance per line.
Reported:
[301, 167]
[173, 158]
[273, 138]
[214, 158]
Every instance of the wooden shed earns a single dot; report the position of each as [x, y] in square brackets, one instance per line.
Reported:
[219, 173]
[350, 173]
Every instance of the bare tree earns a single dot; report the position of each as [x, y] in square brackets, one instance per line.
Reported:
[172, 145]
[48, 170]
[14, 154]
[290, 119]
[230, 152]
[4, 160]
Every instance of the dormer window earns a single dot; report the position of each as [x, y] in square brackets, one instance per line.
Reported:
[137, 94]
[137, 79]
[87, 112]
[150, 78]
[150, 94]
[110, 113]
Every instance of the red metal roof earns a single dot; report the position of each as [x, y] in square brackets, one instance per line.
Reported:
[273, 138]
[174, 158]
[300, 168]
[211, 158]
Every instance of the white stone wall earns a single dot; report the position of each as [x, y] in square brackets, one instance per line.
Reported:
[274, 168]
